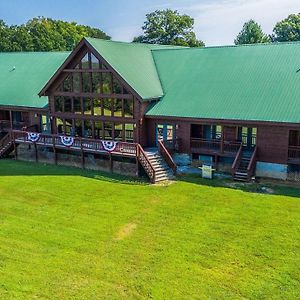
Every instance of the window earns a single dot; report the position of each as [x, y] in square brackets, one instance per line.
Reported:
[129, 130]
[60, 125]
[88, 129]
[117, 88]
[78, 128]
[87, 106]
[94, 62]
[128, 108]
[77, 105]
[118, 133]
[85, 62]
[58, 104]
[97, 107]
[108, 131]
[68, 127]
[68, 104]
[118, 108]
[98, 126]
[76, 83]
[107, 107]
[96, 83]
[67, 84]
[106, 83]
[86, 83]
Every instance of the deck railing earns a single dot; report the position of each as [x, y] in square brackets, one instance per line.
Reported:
[88, 145]
[252, 164]
[166, 155]
[215, 145]
[294, 152]
[237, 160]
[145, 162]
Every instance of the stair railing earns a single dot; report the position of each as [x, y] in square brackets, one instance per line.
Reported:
[167, 156]
[237, 160]
[252, 164]
[145, 162]
[4, 142]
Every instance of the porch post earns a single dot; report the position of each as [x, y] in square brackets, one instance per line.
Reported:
[222, 139]
[10, 120]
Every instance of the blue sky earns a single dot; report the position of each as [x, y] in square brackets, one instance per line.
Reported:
[217, 22]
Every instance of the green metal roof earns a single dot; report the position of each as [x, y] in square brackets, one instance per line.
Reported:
[134, 63]
[258, 82]
[23, 75]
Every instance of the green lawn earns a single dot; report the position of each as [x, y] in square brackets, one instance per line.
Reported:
[72, 234]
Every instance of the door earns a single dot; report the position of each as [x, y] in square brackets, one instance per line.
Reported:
[164, 132]
[248, 136]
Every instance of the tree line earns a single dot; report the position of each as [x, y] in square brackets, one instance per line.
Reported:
[167, 27]
[45, 34]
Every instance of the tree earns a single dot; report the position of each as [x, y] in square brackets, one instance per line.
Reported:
[168, 27]
[45, 34]
[252, 34]
[287, 29]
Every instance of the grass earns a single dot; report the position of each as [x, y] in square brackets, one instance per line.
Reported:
[73, 234]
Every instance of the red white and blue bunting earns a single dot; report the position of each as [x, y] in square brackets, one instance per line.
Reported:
[33, 137]
[67, 141]
[109, 145]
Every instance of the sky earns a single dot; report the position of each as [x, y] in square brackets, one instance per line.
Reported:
[217, 22]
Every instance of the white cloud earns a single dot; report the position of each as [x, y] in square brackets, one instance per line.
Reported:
[219, 23]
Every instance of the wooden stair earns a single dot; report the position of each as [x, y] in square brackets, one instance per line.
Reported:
[162, 170]
[244, 164]
[6, 145]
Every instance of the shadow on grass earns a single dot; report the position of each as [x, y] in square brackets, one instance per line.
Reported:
[263, 187]
[9, 167]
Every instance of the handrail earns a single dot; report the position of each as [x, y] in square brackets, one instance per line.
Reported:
[252, 163]
[85, 143]
[237, 159]
[166, 155]
[5, 140]
[145, 162]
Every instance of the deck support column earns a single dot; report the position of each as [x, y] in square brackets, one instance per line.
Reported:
[15, 146]
[36, 153]
[82, 156]
[54, 151]
[111, 165]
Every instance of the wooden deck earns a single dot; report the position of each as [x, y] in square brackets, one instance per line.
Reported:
[215, 147]
[82, 145]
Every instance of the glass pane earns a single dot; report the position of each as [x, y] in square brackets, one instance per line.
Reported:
[118, 107]
[129, 132]
[95, 62]
[117, 88]
[78, 127]
[85, 62]
[58, 104]
[77, 105]
[69, 127]
[128, 108]
[97, 107]
[67, 84]
[87, 106]
[107, 107]
[88, 130]
[76, 83]
[118, 132]
[96, 83]
[60, 125]
[106, 77]
[108, 131]
[160, 132]
[98, 130]
[170, 132]
[86, 83]
[68, 104]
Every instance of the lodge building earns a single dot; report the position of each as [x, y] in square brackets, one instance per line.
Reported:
[137, 108]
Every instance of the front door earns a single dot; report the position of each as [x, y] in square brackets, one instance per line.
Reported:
[248, 136]
[164, 132]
